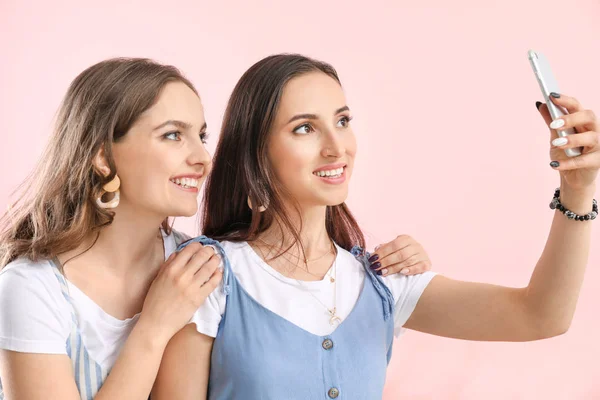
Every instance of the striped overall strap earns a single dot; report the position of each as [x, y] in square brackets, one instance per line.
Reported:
[88, 375]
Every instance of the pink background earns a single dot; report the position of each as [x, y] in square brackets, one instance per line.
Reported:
[452, 150]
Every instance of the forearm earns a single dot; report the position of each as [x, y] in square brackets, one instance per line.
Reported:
[136, 368]
[552, 293]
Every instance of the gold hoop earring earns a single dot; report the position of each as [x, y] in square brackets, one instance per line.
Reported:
[260, 209]
[111, 187]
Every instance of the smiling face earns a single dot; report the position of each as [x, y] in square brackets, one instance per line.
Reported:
[311, 145]
[162, 161]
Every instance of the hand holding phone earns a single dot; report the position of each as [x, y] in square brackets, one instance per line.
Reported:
[543, 73]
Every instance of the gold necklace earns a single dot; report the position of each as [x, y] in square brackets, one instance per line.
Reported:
[318, 258]
[306, 261]
[333, 318]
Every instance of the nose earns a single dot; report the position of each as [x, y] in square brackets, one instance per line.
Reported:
[199, 156]
[333, 146]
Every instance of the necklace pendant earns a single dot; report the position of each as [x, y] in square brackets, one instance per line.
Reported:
[334, 320]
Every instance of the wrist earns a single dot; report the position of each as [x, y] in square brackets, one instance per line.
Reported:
[149, 336]
[578, 200]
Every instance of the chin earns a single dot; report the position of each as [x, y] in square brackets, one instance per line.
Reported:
[189, 213]
[184, 211]
[335, 201]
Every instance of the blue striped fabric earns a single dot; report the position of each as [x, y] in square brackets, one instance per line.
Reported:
[89, 375]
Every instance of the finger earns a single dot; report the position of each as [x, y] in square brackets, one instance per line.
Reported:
[397, 267]
[588, 139]
[581, 120]
[589, 160]
[204, 273]
[410, 251]
[395, 245]
[166, 264]
[182, 257]
[418, 268]
[196, 263]
[396, 257]
[208, 287]
[170, 259]
[571, 104]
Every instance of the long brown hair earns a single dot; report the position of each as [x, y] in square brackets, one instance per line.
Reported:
[57, 210]
[241, 167]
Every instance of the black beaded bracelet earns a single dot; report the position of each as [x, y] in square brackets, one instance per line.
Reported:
[556, 204]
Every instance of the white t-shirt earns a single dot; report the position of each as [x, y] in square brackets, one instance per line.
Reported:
[35, 317]
[292, 299]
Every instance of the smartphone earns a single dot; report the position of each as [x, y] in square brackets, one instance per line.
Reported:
[545, 77]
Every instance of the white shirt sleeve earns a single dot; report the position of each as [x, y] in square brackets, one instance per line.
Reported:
[34, 315]
[406, 291]
[208, 317]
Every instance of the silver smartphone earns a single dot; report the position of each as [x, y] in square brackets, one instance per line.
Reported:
[545, 77]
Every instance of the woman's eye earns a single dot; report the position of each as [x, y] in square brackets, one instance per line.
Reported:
[303, 129]
[172, 136]
[344, 122]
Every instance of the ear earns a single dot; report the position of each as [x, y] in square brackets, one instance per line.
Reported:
[100, 162]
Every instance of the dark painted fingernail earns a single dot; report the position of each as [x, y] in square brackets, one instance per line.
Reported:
[373, 258]
[554, 164]
[378, 272]
[375, 265]
[538, 104]
[555, 95]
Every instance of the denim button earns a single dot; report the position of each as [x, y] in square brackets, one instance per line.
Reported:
[333, 393]
[327, 344]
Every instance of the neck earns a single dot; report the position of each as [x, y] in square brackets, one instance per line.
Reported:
[313, 233]
[132, 239]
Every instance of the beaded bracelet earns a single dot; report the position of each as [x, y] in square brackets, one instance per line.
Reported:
[556, 204]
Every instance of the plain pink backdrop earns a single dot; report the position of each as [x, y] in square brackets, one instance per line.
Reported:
[452, 150]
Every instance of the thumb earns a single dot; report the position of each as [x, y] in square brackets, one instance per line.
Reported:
[166, 263]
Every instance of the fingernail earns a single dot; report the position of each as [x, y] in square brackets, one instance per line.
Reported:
[538, 104]
[376, 247]
[378, 272]
[404, 271]
[373, 258]
[375, 265]
[561, 141]
[384, 271]
[557, 123]
[555, 95]
[554, 164]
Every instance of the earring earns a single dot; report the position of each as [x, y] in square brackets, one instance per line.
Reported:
[260, 209]
[111, 187]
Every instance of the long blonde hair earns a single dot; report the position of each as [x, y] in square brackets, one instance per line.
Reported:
[56, 209]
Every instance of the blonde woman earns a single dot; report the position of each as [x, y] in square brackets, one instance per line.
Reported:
[85, 288]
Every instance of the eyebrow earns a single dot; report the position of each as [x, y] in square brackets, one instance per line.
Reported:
[179, 124]
[314, 116]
